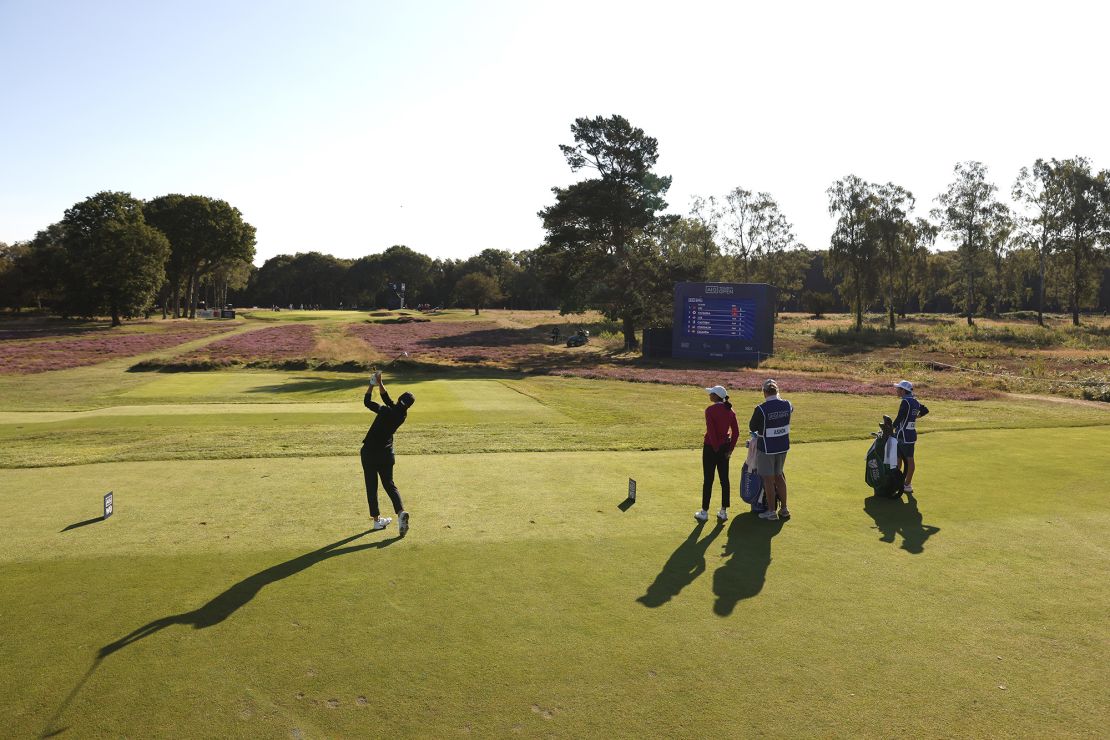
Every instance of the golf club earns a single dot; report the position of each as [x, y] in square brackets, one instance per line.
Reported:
[398, 357]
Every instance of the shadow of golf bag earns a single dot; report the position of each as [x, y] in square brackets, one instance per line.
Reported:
[882, 472]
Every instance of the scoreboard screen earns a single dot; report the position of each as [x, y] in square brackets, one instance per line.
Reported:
[723, 321]
[719, 317]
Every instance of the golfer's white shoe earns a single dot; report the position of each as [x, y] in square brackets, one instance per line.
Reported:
[701, 516]
[382, 522]
[722, 515]
[770, 516]
[403, 524]
[784, 513]
[907, 488]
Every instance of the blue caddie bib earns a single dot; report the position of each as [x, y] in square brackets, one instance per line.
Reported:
[907, 431]
[775, 437]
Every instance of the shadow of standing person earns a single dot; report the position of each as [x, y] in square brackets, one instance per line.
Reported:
[236, 596]
[895, 516]
[219, 608]
[682, 567]
[749, 551]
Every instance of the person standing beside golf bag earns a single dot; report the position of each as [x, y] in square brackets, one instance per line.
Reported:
[721, 435]
[905, 429]
[377, 452]
[771, 422]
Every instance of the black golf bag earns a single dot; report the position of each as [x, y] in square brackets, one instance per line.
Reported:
[884, 478]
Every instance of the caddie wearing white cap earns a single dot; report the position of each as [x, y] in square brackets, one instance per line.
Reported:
[905, 429]
[721, 434]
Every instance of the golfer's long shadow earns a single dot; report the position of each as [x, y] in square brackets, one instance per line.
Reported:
[894, 516]
[748, 550]
[682, 567]
[227, 603]
[216, 610]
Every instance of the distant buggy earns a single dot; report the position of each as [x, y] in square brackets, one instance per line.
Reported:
[579, 338]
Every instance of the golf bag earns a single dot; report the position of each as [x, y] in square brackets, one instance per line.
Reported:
[751, 489]
[881, 472]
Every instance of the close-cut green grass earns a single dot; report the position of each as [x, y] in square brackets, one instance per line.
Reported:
[236, 592]
[242, 598]
[236, 414]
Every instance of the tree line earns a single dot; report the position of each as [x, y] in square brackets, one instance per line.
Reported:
[115, 255]
[611, 247]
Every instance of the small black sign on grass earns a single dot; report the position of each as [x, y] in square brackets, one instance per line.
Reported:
[109, 504]
[627, 503]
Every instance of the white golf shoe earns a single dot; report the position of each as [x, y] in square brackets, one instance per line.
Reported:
[382, 522]
[771, 516]
[722, 515]
[403, 524]
[701, 516]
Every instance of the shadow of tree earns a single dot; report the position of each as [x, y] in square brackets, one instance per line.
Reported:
[683, 566]
[313, 385]
[748, 550]
[895, 516]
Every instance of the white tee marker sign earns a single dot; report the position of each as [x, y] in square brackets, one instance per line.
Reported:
[108, 504]
[631, 489]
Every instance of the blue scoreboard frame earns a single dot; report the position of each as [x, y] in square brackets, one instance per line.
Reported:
[723, 321]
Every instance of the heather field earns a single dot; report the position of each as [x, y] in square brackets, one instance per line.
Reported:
[37, 349]
[270, 343]
[818, 355]
[238, 574]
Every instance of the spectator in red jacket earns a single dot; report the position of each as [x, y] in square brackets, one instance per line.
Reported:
[721, 434]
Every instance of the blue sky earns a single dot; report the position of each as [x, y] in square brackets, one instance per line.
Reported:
[346, 127]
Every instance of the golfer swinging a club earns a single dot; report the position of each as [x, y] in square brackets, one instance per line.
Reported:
[377, 452]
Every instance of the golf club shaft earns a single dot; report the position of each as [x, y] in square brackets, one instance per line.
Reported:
[398, 357]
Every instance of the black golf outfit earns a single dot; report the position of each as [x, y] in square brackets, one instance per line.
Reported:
[377, 450]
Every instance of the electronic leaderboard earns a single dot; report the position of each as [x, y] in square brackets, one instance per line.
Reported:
[723, 321]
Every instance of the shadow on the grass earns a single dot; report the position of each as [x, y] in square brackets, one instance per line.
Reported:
[85, 523]
[219, 608]
[682, 567]
[313, 385]
[227, 603]
[748, 550]
[895, 516]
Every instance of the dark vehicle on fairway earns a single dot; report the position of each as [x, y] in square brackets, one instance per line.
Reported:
[579, 338]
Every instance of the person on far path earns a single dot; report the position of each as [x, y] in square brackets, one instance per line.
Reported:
[721, 435]
[377, 452]
[771, 422]
[905, 429]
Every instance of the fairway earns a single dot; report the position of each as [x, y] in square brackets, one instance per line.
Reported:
[238, 574]
[526, 600]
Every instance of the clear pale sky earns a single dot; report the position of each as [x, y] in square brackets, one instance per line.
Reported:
[346, 127]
